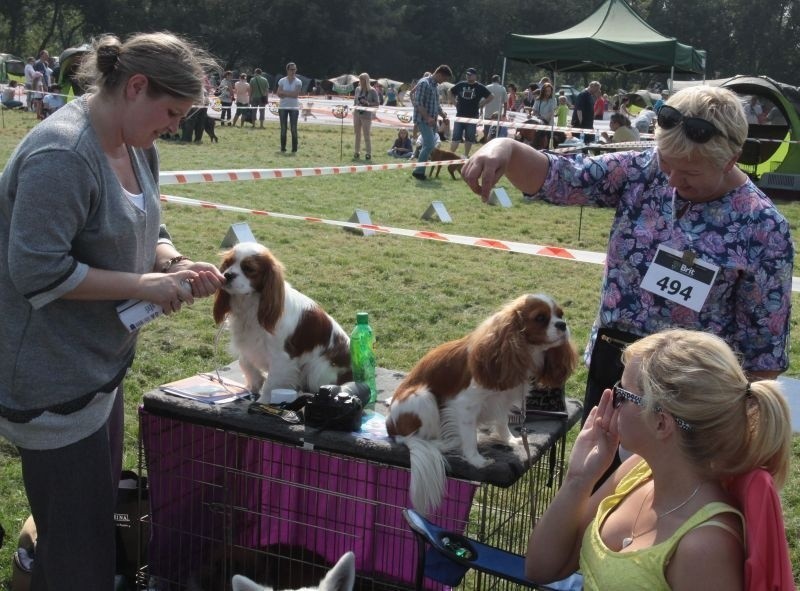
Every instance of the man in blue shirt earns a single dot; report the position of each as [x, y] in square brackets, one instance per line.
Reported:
[426, 109]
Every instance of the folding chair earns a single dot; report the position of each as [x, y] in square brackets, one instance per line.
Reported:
[767, 565]
[452, 554]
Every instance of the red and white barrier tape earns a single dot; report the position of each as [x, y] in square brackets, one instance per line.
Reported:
[557, 252]
[186, 177]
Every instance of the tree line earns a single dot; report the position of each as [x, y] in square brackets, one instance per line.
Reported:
[399, 40]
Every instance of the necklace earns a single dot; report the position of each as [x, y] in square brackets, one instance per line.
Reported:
[629, 540]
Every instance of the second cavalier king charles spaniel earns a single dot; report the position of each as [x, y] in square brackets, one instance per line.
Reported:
[476, 380]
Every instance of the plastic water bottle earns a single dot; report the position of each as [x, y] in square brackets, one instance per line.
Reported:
[362, 355]
[583, 138]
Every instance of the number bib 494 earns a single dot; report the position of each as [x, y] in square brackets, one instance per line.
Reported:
[680, 279]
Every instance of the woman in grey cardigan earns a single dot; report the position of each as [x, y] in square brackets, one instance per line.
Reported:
[80, 232]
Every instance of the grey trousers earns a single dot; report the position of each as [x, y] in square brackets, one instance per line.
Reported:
[72, 492]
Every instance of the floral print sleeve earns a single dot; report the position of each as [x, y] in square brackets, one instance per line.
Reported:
[741, 232]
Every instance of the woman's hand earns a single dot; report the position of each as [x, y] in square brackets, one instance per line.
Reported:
[487, 166]
[168, 290]
[208, 279]
[597, 442]
[522, 165]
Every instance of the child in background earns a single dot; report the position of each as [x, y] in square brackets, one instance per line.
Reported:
[53, 101]
[443, 129]
[562, 110]
[402, 147]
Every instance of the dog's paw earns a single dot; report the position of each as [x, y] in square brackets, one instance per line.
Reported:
[264, 394]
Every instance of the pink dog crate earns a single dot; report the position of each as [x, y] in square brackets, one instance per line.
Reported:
[236, 493]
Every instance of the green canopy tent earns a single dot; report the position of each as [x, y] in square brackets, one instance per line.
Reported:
[69, 62]
[612, 39]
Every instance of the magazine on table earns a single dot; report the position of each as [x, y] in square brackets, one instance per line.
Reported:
[207, 388]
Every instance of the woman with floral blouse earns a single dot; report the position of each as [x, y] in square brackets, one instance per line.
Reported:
[694, 243]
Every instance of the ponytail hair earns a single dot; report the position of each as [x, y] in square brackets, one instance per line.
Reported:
[735, 425]
[770, 434]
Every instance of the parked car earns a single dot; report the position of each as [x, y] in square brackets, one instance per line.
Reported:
[569, 91]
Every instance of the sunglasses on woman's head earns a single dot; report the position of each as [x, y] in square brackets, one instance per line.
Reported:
[621, 395]
[697, 129]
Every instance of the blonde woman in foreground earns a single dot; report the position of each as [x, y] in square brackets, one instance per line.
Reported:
[664, 519]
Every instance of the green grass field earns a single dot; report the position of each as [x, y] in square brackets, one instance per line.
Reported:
[419, 292]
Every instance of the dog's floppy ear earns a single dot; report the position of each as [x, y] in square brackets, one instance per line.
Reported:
[222, 305]
[559, 363]
[498, 354]
[270, 304]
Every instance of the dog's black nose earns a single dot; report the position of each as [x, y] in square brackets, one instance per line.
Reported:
[561, 325]
[229, 276]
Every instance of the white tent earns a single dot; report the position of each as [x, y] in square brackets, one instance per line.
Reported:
[387, 82]
[343, 84]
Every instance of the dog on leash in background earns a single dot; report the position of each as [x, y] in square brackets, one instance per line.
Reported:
[341, 577]
[438, 154]
[276, 329]
[473, 381]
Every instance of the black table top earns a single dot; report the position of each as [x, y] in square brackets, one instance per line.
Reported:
[372, 443]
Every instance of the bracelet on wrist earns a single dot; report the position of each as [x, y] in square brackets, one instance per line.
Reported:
[172, 262]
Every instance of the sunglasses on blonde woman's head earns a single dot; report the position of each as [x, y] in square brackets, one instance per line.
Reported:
[697, 129]
[621, 395]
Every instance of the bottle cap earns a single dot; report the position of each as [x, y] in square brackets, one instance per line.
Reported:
[362, 318]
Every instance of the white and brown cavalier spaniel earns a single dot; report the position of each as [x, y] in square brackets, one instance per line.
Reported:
[473, 381]
[276, 329]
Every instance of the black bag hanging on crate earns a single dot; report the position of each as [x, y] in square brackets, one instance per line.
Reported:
[128, 518]
[605, 368]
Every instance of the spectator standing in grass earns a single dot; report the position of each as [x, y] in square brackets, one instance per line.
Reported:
[289, 108]
[583, 115]
[470, 96]
[425, 97]
[242, 91]
[225, 92]
[499, 101]
[562, 111]
[364, 96]
[259, 96]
